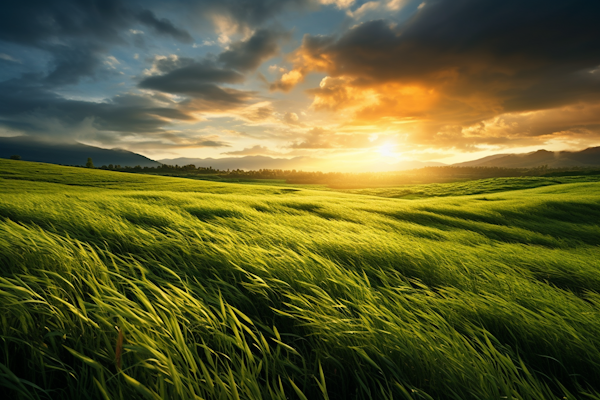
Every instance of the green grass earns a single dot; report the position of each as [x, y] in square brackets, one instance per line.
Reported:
[227, 291]
[464, 188]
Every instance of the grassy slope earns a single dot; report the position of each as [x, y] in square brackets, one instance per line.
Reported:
[226, 291]
[464, 188]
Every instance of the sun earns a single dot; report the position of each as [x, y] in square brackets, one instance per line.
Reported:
[387, 150]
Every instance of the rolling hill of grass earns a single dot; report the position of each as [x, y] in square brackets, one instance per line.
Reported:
[122, 286]
[471, 187]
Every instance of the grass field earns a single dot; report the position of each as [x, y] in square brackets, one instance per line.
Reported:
[124, 286]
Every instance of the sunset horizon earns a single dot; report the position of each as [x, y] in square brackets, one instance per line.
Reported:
[348, 83]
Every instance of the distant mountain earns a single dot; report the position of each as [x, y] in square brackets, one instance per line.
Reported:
[480, 161]
[298, 163]
[31, 149]
[553, 159]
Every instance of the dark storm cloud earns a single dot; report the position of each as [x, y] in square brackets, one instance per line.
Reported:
[525, 54]
[203, 79]
[250, 13]
[164, 26]
[196, 79]
[248, 55]
[75, 39]
[35, 21]
[70, 64]
[29, 108]
[504, 36]
[77, 34]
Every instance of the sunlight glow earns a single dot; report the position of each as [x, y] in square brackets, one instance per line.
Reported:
[387, 150]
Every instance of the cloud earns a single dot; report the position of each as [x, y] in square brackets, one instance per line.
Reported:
[37, 21]
[338, 3]
[289, 79]
[291, 118]
[579, 123]
[455, 64]
[28, 107]
[460, 74]
[249, 54]
[197, 79]
[258, 112]
[7, 57]
[247, 14]
[164, 27]
[364, 9]
[77, 35]
[319, 138]
[461, 57]
[371, 10]
[170, 142]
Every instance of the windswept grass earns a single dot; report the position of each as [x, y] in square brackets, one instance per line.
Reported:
[470, 187]
[225, 291]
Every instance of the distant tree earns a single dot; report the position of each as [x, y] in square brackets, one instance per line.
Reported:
[90, 163]
[15, 157]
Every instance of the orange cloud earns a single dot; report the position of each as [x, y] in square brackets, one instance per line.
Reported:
[454, 85]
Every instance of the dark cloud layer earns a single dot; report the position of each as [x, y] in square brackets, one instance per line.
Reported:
[77, 34]
[77, 38]
[472, 60]
[248, 55]
[164, 26]
[204, 79]
[196, 79]
[36, 21]
[249, 13]
[490, 39]
[30, 108]
[470, 72]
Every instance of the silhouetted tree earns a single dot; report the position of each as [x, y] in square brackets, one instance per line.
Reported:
[89, 163]
[15, 157]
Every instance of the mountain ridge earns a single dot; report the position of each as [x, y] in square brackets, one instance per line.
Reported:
[589, 157]
[32, 149]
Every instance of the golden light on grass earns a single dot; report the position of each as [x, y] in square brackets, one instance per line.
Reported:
[232, 291]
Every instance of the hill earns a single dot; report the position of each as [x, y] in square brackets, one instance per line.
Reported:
[589, 157]
[130, 286]
[31, 149]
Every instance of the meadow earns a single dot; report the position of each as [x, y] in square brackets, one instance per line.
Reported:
[126, 286]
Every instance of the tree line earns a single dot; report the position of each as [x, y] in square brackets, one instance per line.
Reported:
[354, 179]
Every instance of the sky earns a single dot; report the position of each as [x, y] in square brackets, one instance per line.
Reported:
[350, 83]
